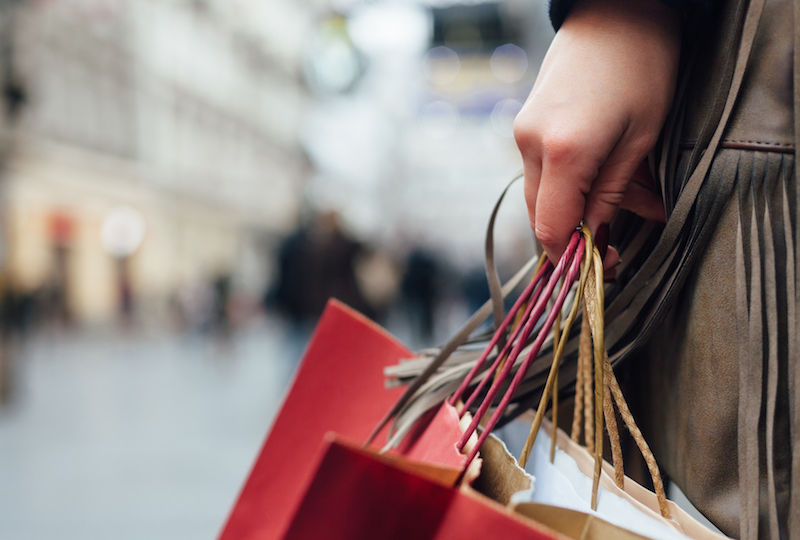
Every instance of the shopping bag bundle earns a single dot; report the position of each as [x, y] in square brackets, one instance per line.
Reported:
[335, 466]
[313, 479]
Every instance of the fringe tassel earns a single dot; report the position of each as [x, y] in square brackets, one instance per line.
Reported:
[766, 321]
[792, 202]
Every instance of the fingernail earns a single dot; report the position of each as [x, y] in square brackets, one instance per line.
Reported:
[601, 240]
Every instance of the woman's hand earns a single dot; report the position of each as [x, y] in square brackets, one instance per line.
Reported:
[594, 113]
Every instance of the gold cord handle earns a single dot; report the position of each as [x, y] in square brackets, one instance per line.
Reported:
[595, 380]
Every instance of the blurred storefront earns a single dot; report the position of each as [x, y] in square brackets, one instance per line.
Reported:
[224, 124]
[182, 111]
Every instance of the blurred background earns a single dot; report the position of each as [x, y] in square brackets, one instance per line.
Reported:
[183, 184]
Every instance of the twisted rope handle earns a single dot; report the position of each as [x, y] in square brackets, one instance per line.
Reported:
[613, 435]
[630, 423]
[594, 311]
[603, 387]
[584, 350]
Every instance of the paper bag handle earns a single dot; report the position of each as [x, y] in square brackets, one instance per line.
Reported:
[593, 360]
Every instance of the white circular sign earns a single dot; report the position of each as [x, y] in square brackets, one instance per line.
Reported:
[122, 231]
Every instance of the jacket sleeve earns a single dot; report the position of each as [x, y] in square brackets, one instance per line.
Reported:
[559, 9]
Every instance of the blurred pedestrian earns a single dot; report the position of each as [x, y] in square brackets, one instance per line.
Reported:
[420, 289]
[316, 263]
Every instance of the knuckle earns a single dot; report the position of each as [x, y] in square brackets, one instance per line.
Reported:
[642, 144]
[611, 198]
[546, 233]
[525, 134]
[561, 148]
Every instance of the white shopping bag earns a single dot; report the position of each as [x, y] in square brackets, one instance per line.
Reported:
[567, 483]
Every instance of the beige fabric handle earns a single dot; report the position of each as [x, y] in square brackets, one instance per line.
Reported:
[593, 305]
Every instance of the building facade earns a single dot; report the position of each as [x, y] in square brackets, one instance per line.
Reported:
[182, 114]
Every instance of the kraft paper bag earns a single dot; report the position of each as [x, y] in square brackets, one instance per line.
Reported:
[574, 524]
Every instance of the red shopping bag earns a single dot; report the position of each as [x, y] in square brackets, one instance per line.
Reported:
[339, 387]
[356, 493]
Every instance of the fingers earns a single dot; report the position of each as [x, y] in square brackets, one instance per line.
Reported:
[610, 262]
[528, 142]
[614, 183]
[643, 196]
[613, 188]
[560, 202]
[608, 189]
[644, 202]
[558, 178]
[532, 169]
[575, 174]
[611, 259]
[565, 186]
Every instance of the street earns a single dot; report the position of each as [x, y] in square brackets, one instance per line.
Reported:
[114, 435]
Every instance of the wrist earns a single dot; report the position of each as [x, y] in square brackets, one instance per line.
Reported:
[646, 31]
[637, 16]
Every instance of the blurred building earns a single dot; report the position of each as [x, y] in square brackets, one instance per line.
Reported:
[191, 131]
[182, 115]
[416, 149]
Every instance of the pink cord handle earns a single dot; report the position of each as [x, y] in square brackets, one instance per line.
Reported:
[537, 345]
[514, 339]
[576, 239]
[529, 292]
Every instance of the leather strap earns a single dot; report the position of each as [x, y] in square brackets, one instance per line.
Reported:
[477, 318]
[492, 276]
